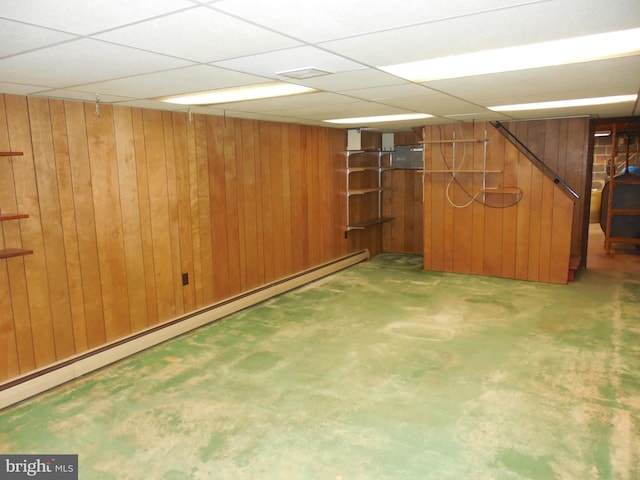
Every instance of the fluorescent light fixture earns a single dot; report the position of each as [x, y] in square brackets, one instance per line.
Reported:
[604, 133]
[545, 54]
[227, 95]
[380, 118]
[578, 102]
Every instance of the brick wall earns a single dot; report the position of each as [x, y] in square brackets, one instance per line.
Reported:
[602, 154]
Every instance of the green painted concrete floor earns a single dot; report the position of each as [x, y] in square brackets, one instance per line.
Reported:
[382, 371]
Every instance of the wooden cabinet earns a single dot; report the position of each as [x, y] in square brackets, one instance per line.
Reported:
[4, 217]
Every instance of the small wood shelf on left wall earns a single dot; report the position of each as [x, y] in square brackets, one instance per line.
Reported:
[13, 252]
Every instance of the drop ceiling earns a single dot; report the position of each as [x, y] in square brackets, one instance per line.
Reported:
[132, 52]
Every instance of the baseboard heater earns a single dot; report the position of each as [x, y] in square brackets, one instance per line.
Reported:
[38, 381]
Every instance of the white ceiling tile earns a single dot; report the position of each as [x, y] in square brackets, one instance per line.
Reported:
[81, 61]
[545, 84]
[148, 48]
[436, 104]
[153, 104]
[306, 100]
[199, 34]
[388, 92]
[196, 78]
[345, 81]
[495, 29]
[86, 17]
[19, 88]
[83, 96]
[18, 37]
[268, 64]
[321, 20]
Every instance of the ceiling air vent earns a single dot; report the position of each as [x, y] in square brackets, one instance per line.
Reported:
[301, 73]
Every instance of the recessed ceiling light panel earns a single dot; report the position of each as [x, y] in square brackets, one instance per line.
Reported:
[577, 102]
[522, 57]
[228, 95]
[379, 118]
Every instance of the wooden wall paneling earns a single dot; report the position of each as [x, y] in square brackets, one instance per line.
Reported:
[576, 165]
[218, 207]
[202, 197]
[183, 207]
[509, 214]
[535, 218]
[277, 191]
[287, 202]
[249, 208]
[108, 218]
[159, 210]
[82, 191]
[416, 246]
[194, 211]
[437, 198]
[265, 202]
[69, 224]
[427, 202]
[449, 210]
[54, 251]
[395, 206]
[493, 229]
[311, 178]
[462, 191]
[550, 149]
[131, 227]
[389, 181]
[233, 222]
[299, 234]
[323, 224]
[144, 205]
[563, 143]
[478, 210]
[10, 358]
[9, 363]
[31, 231]
[259, 206]
[174, 223]
[403, 213]
[548, 191]
[523, 218]
[338, 146]
[240, 206]
[561, 238]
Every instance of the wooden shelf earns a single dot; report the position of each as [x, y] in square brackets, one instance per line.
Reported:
[368, 223]
[362, 191]
[369, 169]
[14, 252]
[12, 216]
[458, 171]
[471, 140]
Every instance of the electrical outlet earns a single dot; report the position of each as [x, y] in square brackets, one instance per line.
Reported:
[185, 279]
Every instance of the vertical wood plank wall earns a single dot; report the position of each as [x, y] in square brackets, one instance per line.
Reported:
[563, 146]
[402, 201]
[122, 204]
[529, 241]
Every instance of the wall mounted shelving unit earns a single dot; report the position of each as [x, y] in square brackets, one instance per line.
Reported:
[12, 252]
[369, 166]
